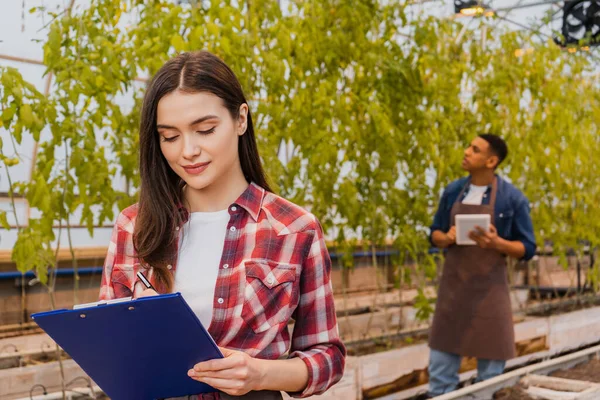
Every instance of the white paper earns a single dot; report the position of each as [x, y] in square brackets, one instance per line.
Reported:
[101, 302]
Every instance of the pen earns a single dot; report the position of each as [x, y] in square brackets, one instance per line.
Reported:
[145, 280]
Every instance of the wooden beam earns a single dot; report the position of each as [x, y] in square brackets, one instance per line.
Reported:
[376, 300]
[549, 394]
[24, 343]
[23, 60]
[561, 384]
[64, 254]
[15, 383]
[31, 61]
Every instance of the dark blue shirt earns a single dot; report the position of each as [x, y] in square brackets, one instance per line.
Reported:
[511, 212]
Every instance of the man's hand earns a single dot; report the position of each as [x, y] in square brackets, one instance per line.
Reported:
[485, 240]
[451, 236]
[236, 374]
[443, 239]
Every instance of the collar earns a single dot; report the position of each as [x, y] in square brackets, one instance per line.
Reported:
[251, 200]
[489, 186]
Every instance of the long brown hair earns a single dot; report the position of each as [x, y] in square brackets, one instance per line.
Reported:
[161, 194]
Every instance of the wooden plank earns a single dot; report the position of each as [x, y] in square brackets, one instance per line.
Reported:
[74, 393]
[15, 383]
[380, 323]
[562, 384]
[382, 368]
[26, 353]
[531, 346]
[354, 302]
[12, 327]
[590, 394]
[574, 329]
[91, 252]
[549, 394]
[25, 343]
[411, 380]
[531, 328]
[38, 301]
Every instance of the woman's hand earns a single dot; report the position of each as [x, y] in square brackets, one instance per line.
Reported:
[147, 293]
[236, 374]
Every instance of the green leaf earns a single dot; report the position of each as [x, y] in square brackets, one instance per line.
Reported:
[4, 220]
[26, 115]
[177, 42]
[11, 162]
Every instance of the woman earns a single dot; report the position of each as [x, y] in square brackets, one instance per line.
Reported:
[207, 225]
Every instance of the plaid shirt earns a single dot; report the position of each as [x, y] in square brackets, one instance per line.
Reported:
[274, 267]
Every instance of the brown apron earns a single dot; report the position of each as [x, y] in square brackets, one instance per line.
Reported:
[473, 315]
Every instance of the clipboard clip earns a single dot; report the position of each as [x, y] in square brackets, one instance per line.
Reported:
[101, 303]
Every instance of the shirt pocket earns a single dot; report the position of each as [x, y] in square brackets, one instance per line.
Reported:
[123, 279]
[505, 222]
[270, 295]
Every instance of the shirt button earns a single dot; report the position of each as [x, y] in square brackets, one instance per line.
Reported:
[177, 228]
[270, 280]
[234, 208]
[232, 229]
[169, 266]
[220, 300]
[226, 266]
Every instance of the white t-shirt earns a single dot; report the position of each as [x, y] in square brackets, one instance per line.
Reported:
[475, 195]
[200, 250]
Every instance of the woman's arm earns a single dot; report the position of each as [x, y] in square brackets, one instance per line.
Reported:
[115, 285]
[315, 339]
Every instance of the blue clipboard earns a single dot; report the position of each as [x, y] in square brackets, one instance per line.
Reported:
[135, 350]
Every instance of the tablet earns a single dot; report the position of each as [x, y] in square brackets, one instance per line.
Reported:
[465, 223]
[135, 349]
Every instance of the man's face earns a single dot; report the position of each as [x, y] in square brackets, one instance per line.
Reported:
[478, 156]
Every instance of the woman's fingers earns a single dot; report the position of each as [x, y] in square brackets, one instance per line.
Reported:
[217, 364]
[147, 293]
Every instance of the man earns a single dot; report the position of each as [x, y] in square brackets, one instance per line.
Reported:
[473, 314]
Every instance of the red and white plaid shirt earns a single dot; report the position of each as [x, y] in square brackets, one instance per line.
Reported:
[275, 267]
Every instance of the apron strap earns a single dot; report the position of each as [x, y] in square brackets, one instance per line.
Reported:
[462, 191]
[493, 198]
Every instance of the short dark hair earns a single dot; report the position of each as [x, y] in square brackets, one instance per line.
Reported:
[497, 146]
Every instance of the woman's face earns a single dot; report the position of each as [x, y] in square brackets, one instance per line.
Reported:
[199, 138]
